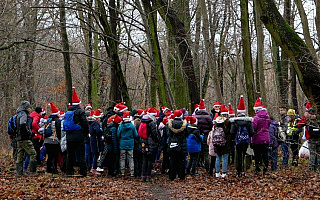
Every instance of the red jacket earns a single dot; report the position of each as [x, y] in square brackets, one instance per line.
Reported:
[35, 124]
[303, 122]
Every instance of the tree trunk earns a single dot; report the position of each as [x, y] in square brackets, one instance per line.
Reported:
[317, 2]
[196, 54]
[305, 66]
[65, 47]
[247, 58]
[294, 89]
[277, 65]
[176, 27]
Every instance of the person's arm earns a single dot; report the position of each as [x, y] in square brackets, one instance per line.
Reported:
[23, 123]
[254, 124]
[35, 123]
[84, 123]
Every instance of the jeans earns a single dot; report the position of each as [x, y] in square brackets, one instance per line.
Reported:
[273, 157]
[241, 150]
[285, 153]
[224, 159]
[261, 156]
[147, 160]
[53, 154]
[176, 165]
[95, 160]
[126, 155]
[314, 159]
[88, 155]
[193, 162]
[43, 153]
[76, 147]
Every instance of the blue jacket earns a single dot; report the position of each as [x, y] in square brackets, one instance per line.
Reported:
[95, 137]
[126, 134]
[113, 130]
[194, 140]
[273, 134]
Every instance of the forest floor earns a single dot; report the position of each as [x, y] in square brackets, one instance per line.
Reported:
[286, 183]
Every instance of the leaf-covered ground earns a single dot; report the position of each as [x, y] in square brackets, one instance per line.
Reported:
[289, 183]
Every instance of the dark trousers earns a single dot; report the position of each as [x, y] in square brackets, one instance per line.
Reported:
[294, 146]
[212, 164]
[137, 159]
[166, 161]
[37, 145]
[241, 150]
[147, 161]
[64, 162]
[111, 159]
[14, 146]
[193, 162]
[261, 156]
[73, 148]
[53, 154]
[176, 165]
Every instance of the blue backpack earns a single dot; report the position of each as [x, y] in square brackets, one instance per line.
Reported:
[242, 135]
[12, 126]
[48, 128]
[68, 123]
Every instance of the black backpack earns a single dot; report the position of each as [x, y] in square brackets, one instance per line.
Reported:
[314, 129]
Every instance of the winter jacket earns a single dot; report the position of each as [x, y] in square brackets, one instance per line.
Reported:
[273, 134]
[49, 140]
[313, 129]
[35, 124]
[205, 123]
[24, 125]
[113, 127]
[302, 123]
[211, 147]
[178, 134]
[78, 118]
[221, 150]
[194, 139]
[260, 125]
[240, 122]
[63, 141]
[152, 140]
[136, 123]
[95, 137]
[213, 113]
[126, 134]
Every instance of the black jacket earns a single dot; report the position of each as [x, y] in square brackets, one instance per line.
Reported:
[152, 133]
[79, 118]
[24, 125]
[178, 132]
[205, 123]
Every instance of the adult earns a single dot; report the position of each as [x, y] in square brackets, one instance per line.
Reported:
[37, 139]
[284, 119]
[293, 138]
[76, 138]
[24, 135]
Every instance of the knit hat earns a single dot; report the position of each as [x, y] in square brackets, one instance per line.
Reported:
[241, 106]
[25, 104]
[38, 110]
[291, 112]
[54, 109]
[97, 114]
[178, 114]
[224, 110]
[88, 106]
[126, 116]
[201, 105]
[216, 104]
[75, 98]
[231, 111]
[258, 105]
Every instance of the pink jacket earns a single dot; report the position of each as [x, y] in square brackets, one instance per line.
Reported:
[211, 147]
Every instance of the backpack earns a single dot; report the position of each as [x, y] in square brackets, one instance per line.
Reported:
[174, 144]
[314, 130]
[12, 126]
[142, 131]
[242, 135]
[218, 137]
[68, 123]
[48, 128]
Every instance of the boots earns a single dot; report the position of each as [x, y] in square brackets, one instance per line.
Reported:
[19, 167]
[33, 167]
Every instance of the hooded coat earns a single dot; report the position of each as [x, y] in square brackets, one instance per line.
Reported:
[95, 137]
[241, 122]
[35, 124]
[152, 135]
[80, 118]
[273, 133]
[205, 123]
[260, 125]
[178, 133]
[194, 139]
[113, 127]
[126, 134]
[24, 125]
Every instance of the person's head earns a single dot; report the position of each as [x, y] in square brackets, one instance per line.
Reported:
[282, 110]
[38, 110]
[26, 105]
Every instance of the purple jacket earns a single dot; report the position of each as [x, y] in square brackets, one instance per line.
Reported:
[205, 123]
[260, 125]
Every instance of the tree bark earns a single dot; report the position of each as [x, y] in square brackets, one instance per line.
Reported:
[317, 2]
[305, 66]
[65, 47]
[247, 58]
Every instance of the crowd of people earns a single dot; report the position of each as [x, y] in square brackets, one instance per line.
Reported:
[131, 143]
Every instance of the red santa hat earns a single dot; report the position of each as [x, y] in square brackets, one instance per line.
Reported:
[62, 113]
[215, 116]
[140, 112]
[172, 116]
[91, 113]
[241, 106]
[126, 116]
[165, 121]
[216, 104]
[196, 107]
[168, 113]
[88, 106]
[224, 110]
[191, 120]
[178, 114]
[231, 111]
[158, 113]
[201, 105]
[54, 109]
[257, 104]
[152, 111]
[308, 106]
[97, 114]
[75, 98]
[121, 107]
[164, 109]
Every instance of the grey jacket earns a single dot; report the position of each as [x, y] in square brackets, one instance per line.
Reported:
[24, 125]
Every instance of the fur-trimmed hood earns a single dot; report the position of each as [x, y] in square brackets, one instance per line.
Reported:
[240, 119]
[173, 126]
